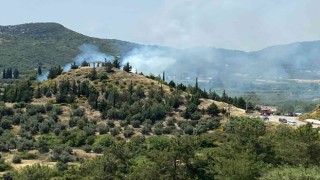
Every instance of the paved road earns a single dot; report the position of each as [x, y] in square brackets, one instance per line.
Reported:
[294, 121]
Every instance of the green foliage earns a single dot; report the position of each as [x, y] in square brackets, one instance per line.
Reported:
[54, 72]
[127, 67]
[104, 140]
[20, 92]
[16, 159]
[292, 173]
[35, 172]
[213, 109]
[159, 142]
[52, 45]
[26, 155]
[61, 166]
[4, 167]
[93, 74]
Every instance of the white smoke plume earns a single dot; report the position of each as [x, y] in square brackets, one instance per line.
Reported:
[149, 60]
[43, 76]
[89, 53]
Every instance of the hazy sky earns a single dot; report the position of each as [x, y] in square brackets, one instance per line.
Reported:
[234, 24]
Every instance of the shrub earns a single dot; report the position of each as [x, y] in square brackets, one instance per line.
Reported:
[61, 166]
[111, 124]
[103, 128]
[48, 107]
[26, 155]
[128, 132]
[123, 123]
[16, 159]
[188, 130]
[115, 131]
[6, 123]
[159, 125]
[113, 113]
[97, 149]
[5, 167]
[213, 110]
[201, 128]
[146, 129]
[170, 122]
[167, 130]
[78, 112]
[87, 148]
[104, 141]
[135, 124]
[213, 124]
[57, 110]
[103, 76]
[196, 115]
[157, 131]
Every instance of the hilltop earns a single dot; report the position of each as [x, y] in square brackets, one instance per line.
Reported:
[79, 113]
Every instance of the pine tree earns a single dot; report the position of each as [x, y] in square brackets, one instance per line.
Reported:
[108, 67]
[54, 72]
[37, 93]
[74, 66]
[116, 62]
[127, 67]
[84, 63]
[93, 74]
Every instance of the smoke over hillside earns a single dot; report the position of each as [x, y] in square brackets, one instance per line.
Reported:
[275, 68]
[89, 53]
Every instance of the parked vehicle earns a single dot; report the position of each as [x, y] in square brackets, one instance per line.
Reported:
[292, 123]
[282, 120]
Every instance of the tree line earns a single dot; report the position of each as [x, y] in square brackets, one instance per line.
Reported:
[9, 74]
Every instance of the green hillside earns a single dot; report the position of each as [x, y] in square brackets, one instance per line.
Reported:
[49, 44]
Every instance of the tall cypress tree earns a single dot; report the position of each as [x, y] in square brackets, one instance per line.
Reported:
[4, 75]
[8, 73]
[197, 87]
[163, 76]
[16, 73]
[39, 70]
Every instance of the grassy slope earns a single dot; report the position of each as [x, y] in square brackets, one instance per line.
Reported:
[118, 79]
[314, 114]
[24, 46]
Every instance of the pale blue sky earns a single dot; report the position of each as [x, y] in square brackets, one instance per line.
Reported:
[234, 24]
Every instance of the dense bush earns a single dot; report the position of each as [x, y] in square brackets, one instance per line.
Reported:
[16, 159]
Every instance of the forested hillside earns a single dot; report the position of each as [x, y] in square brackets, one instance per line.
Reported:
[28, 45]
[106, 123]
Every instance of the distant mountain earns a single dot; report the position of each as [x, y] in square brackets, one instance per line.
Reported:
[27, 45]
